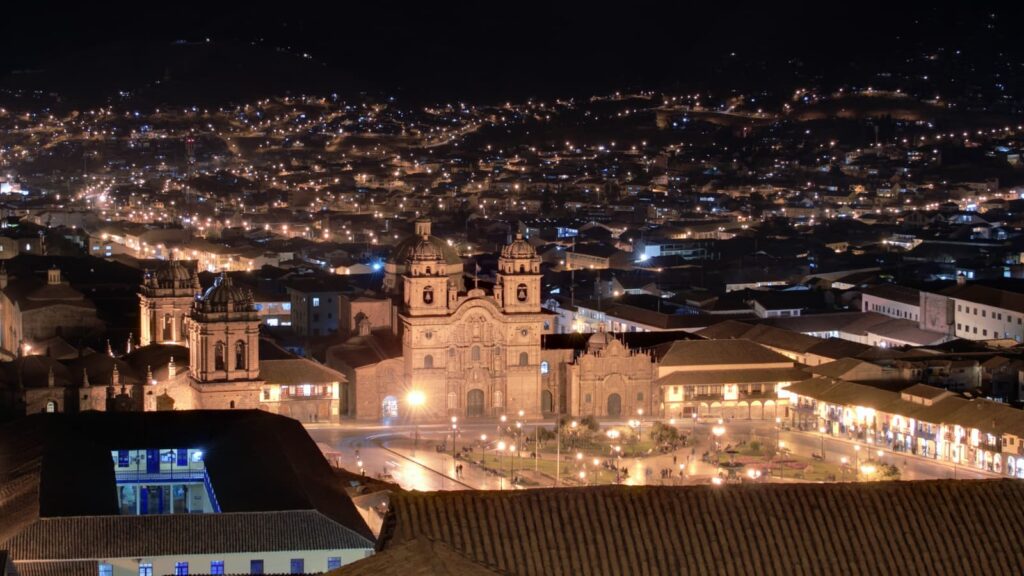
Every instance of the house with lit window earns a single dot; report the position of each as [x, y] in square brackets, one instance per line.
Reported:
[182, 492]
[315, 305]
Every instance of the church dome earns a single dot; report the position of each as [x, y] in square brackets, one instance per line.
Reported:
[175, 275]
[518, 249]
[224, 296]
[425, 250]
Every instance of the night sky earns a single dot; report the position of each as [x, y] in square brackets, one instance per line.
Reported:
[524, 48]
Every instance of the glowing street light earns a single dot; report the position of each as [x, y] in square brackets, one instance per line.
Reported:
[416, 400]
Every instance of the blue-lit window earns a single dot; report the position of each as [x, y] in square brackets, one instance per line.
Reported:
[182, 457]
[298, 566]
[122, 459]
[256, 567]
[544, 367]
[333, 562]
[106, 570]
[259, 307]
[287, 306]
[181, 569]
[216, 567]
[197, 456]
[316, 302]
[145, 569]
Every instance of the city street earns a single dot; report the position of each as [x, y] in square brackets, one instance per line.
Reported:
[388, 452]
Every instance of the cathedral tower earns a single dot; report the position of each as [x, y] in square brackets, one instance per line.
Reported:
[223, 334]
[164, 301]
[425, 281]
[518, 281]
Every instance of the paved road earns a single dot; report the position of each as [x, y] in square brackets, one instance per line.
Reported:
[381, 450]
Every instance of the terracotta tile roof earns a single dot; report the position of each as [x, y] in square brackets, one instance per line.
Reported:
[298, 371]
[747, 376]
[417, 557]
[808, 529]
[895, 293]
[78, 537]
[44, 568]
[707, 352]
[988, 296]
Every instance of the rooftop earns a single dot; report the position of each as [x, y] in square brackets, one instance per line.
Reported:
[844, 528]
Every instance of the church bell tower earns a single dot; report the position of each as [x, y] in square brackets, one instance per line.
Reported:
[518, 282]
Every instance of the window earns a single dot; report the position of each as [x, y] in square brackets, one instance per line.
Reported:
[475, 354]
[181, 569]
[589, 398]
[316, 302]
[216, 567]
[297, 566]
[106, 570]
[240, 355]
[639, 396]
[428, 361]
[182, 454]
[524, 359]
[145, 569]
[255, 566]
[333, 562]
[544, 367]
[218, 356]
[122, 458]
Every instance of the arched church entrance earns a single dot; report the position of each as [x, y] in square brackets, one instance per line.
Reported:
[614, 405]
[475, 402]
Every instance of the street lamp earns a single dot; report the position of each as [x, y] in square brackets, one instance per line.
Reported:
[512, 465]
[455, 429]
[867, 469]
[718, 430]
[501, 454]
[843, 463]
[416, 399]
[821, 430]
[483, 444]
[778, 431]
